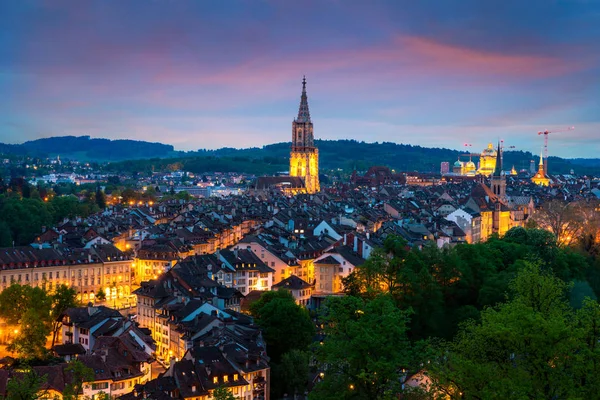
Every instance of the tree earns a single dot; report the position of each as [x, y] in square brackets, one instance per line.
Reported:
[293, 372]
[30, 343]
[5, 235]
[100, 198]
[285, 324]
[366, 351]
[80, 374]
[100, 295]
[17, 299]
[64, 297]
[533, 346]
[25, 385]
[568, 221]
[222, 393]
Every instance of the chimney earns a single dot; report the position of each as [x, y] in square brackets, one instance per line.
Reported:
[103, 354]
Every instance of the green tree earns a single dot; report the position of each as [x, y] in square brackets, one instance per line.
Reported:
[366, 351]
[30, 342]
[5, 235]
[222, 393]
[285, 324]
[80, 374]
[25, 385]
[533, 346]
[292, 373]
[17, 299]
[100, 295]
[64, 297]
[100, 198]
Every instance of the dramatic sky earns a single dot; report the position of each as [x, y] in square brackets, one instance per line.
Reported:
[213, 73]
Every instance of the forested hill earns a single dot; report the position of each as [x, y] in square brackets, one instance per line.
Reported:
[84, 148]
[333, 154]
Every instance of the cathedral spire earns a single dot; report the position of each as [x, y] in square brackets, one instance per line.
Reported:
[303, 113]
[498, 169]
[542, 157]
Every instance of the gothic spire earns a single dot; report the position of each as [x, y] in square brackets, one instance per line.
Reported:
[542, 157]
[498, 169]
[303, 113]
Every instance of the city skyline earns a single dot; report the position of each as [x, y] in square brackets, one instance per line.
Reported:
[209, 75]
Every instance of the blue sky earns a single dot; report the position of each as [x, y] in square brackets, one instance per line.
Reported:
[207, 74]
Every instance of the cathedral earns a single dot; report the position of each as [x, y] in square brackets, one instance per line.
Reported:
[304, 157]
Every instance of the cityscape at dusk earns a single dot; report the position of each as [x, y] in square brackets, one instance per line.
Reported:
[319, 200]
[219, 74]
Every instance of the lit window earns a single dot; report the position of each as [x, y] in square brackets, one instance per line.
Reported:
[225, 378]
[216, 379]
[235, 377]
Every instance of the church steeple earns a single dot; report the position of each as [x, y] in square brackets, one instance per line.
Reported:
[304, 157]
[498, 181]
[303, 113]
[498, 169]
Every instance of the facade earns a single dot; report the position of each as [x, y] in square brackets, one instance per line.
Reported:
[487, 161]
[86, 270]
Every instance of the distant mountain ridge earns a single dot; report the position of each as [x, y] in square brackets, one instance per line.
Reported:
[85, 148]
[333, 154]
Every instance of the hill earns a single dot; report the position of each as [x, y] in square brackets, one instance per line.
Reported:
[138, 156]
[84, 148]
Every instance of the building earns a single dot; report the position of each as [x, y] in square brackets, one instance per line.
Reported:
[540, 177]
[444, 167]
[84, 325]
[300, 289]
[87, 270]
[304, 157]
[487, 161]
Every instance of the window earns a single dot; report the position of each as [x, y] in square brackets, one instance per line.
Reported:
[225, 378]
[235, 377]
[216, 379]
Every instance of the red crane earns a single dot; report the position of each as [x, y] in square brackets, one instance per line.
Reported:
[545, 133]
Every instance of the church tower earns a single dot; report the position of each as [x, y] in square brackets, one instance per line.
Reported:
[304, 157]
[498, 178]
[540, 178]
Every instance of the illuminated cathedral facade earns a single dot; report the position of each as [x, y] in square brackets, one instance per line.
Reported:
[304, 157]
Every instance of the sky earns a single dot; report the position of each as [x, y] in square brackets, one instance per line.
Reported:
[209, 74]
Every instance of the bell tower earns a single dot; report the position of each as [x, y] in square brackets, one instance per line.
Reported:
[304, 157]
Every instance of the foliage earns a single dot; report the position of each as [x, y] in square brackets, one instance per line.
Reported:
[444, 287]
[30, 342]
[291, 374]
[366, 351]
[25, 385]
[80, 374]
[22, 219]
[64, 297]
[35, 311]
[16, 299]
[100, 295]
[568, 221]
[222, 393]
[533, 346]
[285, 325]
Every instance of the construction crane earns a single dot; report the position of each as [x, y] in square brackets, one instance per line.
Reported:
[545, 133]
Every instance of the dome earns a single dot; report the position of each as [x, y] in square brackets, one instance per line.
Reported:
[458, 164]
[470, 164]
